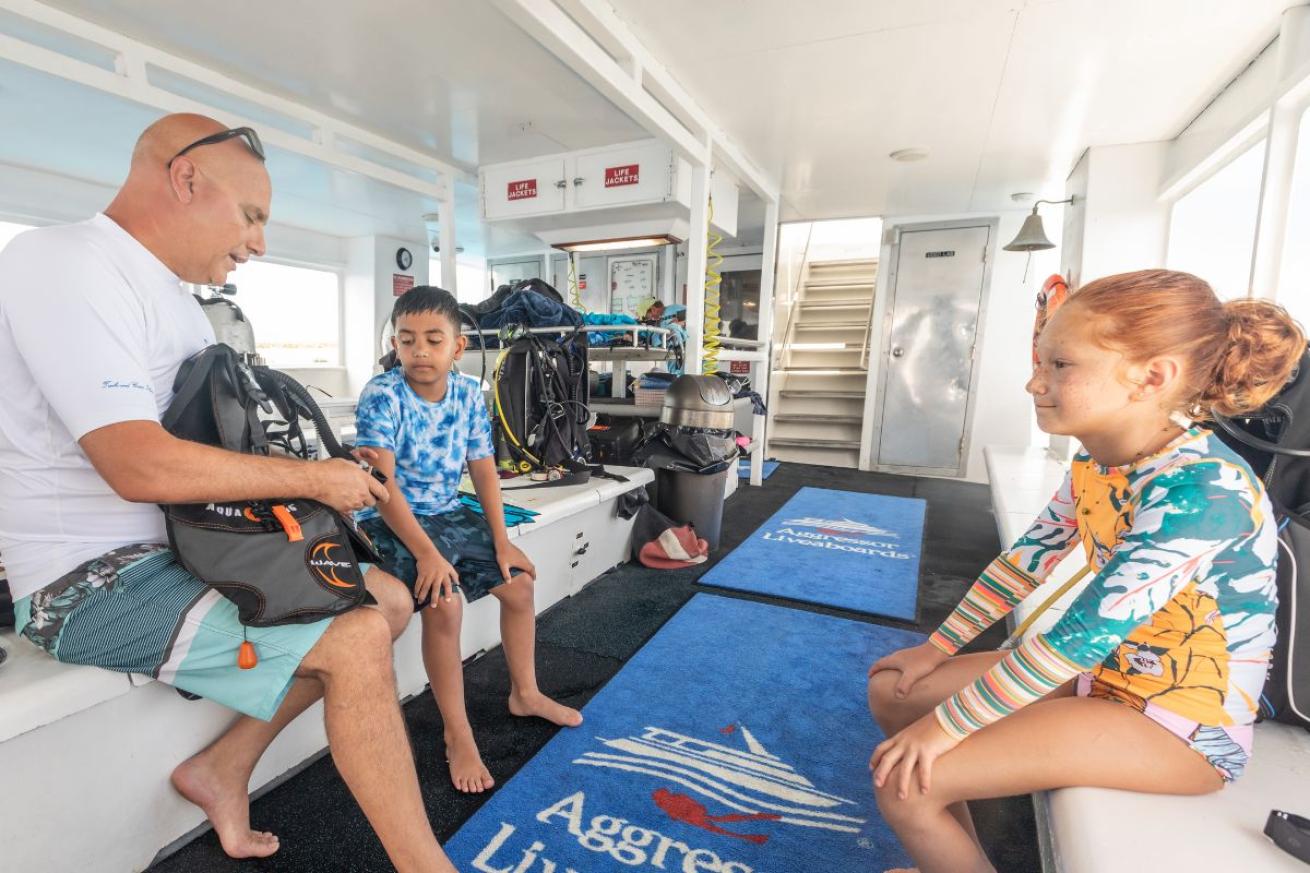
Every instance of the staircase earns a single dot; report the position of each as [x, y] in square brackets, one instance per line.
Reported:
[819, 404]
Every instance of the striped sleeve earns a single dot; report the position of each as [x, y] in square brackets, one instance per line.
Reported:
[1025, 675]
[1013, 575]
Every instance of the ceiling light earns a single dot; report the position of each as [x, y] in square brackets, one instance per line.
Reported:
[908, 155]
[1023, 197]
[609, 245]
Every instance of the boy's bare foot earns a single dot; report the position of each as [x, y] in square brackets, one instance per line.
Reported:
[225, 800]
[467, 771]
[540, 706]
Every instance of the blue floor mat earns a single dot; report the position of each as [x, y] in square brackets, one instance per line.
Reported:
[744, 468]
[712, 749]
[834, 548]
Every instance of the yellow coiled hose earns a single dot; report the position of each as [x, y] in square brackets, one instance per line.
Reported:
[713, 279]
[575, 291]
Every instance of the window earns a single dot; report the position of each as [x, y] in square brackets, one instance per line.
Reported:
[472, 277]
[1294, 281]
[1212, 227]
[295, 313]
[9, 230]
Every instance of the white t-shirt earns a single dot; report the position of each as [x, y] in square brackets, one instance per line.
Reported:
[93, 328]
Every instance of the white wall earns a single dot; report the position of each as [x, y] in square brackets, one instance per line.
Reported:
[370, 266]
[1002, 410]
[1125, 223]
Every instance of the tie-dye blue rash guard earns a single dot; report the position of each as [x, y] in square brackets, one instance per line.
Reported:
[431, 441]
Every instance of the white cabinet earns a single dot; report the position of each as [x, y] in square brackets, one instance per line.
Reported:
[525, 188]
[639, 173]
[556, 191]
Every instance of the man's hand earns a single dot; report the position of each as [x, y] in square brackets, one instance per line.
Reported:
[436, 577]
[510, 557]
[916, 747]
[913, 663]
[345, 486]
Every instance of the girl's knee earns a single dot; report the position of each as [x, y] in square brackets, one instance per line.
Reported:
[902, 812]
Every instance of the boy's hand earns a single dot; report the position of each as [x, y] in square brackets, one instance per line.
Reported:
[436, 576]
[510, 557]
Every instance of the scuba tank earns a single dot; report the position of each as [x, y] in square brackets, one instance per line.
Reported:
[231, 327]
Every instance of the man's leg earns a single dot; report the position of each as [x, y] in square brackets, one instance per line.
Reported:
[367, 737]
[518, 634]
[441, 657]
[217, 779]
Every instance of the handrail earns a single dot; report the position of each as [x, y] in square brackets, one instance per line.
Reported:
[794, 296]
[868, 327]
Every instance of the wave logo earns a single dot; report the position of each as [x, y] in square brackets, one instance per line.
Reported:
[840, 527]
[754, 784]
[323, 563]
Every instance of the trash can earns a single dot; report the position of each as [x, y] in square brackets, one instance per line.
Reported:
[692, 452]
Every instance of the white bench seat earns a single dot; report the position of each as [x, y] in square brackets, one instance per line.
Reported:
[1097, 830]
[77, 741]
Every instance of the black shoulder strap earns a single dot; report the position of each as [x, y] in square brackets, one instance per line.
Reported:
[200, 363]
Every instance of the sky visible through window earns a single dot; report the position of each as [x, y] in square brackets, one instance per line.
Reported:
[295, 313]
[1212, 227]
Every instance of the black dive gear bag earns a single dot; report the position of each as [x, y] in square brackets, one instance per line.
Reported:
[285, 561]
[540, 391]
[1275, 441]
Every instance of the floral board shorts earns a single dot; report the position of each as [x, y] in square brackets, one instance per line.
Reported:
[462, 537]
[1226, 748]
[137, 610]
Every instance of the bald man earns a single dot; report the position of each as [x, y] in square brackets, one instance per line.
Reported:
[94, 323]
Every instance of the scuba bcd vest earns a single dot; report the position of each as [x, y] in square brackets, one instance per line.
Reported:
[1275, 441]
[281, 561]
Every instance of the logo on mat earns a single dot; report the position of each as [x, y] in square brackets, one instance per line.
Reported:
[840, 527]
[749, 784]
[323, 562]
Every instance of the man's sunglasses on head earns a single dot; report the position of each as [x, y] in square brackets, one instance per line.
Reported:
[247, 134]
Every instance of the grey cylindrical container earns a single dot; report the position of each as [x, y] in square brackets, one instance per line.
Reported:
[693, 497]
[698, 401]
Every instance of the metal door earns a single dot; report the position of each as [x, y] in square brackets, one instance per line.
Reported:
[928, 353]
[509, 272]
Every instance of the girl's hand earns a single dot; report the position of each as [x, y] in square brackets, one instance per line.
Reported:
[916, 747]
[437, 577]
[510, 558]
[914, 663]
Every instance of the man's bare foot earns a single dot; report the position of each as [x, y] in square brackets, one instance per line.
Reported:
[540, 706]
[467, 771]
[226, 801]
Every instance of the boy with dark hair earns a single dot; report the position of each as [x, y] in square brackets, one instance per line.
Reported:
[425, 423]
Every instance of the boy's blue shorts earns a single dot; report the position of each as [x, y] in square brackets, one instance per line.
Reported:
[462, 537]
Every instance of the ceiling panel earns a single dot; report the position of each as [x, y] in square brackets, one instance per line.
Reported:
[452, 77]
[1005, 94]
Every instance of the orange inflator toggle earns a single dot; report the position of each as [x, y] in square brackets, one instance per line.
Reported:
[288, 522]
[246, 657]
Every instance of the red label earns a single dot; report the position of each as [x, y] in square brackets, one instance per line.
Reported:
[400, 283]
[740, 367]
[525, 189]
[617, 176]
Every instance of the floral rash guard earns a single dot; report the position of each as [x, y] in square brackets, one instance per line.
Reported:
[1180, 612]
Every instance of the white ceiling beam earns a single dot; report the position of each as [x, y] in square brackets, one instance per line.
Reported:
[131, 81]
[603, 24]
[563, 37]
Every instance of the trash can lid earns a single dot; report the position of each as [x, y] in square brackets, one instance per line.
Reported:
[698, 401]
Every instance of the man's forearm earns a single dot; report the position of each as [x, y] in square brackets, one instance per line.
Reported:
[145, 464]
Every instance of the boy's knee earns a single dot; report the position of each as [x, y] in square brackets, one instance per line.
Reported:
[519, 592]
